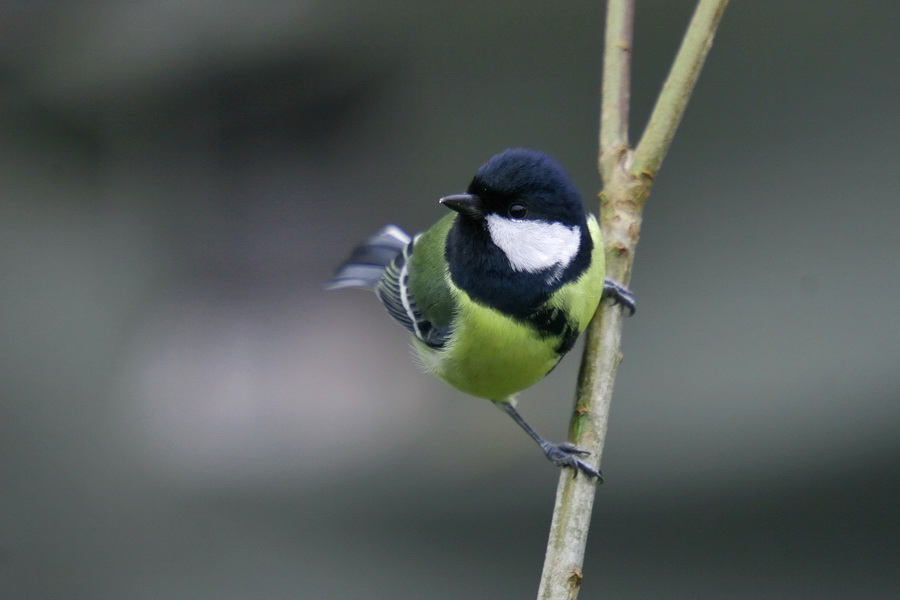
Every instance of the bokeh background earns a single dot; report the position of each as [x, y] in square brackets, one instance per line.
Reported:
[186, 414]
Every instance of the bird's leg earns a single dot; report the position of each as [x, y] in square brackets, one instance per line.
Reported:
[562, 455]
[620, 295]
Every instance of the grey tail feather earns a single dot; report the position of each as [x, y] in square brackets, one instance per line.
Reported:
[368, 261]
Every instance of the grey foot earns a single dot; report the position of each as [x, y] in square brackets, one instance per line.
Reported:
[620, 295]
[566, 455]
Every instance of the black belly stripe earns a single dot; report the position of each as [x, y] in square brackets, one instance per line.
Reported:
[549, 320]
[567, 341]
[552, 322]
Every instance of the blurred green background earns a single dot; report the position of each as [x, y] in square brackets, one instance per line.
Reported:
[186, 414]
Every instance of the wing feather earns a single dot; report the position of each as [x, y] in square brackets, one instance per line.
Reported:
[396, 294]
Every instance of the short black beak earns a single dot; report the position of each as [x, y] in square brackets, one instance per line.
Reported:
[465, 204]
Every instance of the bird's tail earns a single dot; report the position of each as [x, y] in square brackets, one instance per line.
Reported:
[368, 261]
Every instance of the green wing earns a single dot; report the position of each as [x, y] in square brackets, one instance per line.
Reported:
[415, 287]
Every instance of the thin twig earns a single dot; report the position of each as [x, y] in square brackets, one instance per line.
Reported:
[616, 93]
[666, 115]
[627, 178]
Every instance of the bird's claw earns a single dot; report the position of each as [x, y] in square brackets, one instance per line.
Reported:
[566, 455]
[620, 295]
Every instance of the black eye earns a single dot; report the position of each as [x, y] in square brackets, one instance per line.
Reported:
[517, 210]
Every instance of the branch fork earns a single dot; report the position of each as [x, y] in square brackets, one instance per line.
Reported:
[627, 177]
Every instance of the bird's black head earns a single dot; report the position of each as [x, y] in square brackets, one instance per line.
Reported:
[521, 184]
[521, 233]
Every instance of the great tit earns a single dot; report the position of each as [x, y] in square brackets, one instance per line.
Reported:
[496, 293]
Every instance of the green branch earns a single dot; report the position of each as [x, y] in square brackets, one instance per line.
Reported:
[676, 91]
[627, 178]
[616, 93]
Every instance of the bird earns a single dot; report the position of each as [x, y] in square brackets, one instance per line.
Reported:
[497, 291]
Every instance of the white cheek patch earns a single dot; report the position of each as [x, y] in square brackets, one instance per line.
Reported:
[534, 246]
